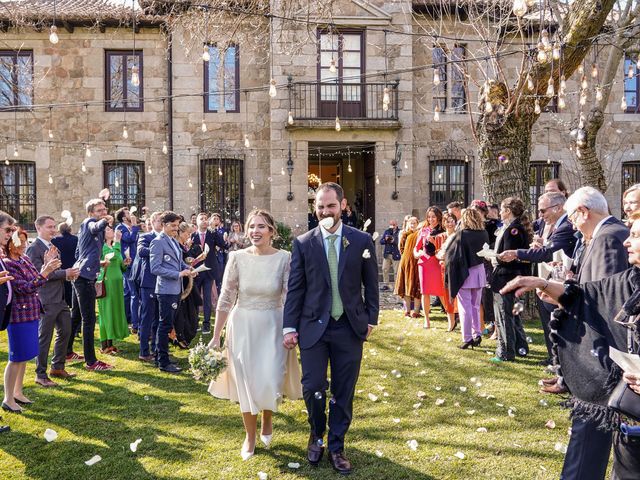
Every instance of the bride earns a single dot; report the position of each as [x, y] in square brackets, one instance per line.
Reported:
[260, 370]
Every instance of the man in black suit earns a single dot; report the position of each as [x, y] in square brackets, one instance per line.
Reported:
[326, 313]
[204, 282]
[557, 237]
[7, 228]
[601, 255]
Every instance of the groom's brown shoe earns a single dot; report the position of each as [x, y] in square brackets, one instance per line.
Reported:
[315, 450]
[340, 463]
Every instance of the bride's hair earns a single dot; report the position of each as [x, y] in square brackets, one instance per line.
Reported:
[268, 219]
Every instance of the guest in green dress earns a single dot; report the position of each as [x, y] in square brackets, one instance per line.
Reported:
[112, 319]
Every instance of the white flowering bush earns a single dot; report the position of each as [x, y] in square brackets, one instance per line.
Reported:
[206, 363]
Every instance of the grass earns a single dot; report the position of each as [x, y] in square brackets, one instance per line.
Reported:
[187, 434]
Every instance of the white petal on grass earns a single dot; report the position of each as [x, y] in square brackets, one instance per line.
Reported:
[439, 401]
[511, 413]
[543, 403]
[262, 476]
[93, 460]
[438, 388]
[560, 447]
[134, 445]
[413, 445]
[417, 405]
[396, 420]
[459, 455]
[398, 375]
[448, 339]
[550, 424]
[473, 379]
[385, 394]
[490, 397]
[421, 394]
[478, 384]
[379, 454]
[499, 404]
[463, 389]
[470, 412]
[481, 430]
[372, 397]
[423, 372]
[380, 387]
[50, 435]
[293, 465]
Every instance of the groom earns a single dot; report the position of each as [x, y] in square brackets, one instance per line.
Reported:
[326, 314]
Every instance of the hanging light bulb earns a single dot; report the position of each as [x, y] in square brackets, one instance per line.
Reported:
[623, 104]
[556, 51]
[282, 172]
[488, 107]
[630, 72]
[125, 132]
[563, 84]
[252, 185]
[436, 114]
[536, 107]
[584, 84]
[203, 126]
[135, 76]
[583, 97]
[598, 93]
[15, 150]
[338, 127]
[165, 149]
[50, 133]
[386, 98]
[377, 180]
[6, 161]
[190, 184]
[594, 71]
[290, 118]
[87, 151]
[519, 8]
[206, 56]
[548, 161]
[247, 143]
[581, 69]
[530, 85]
[273, 91]
[581, 138]
[349, 169]
[561, 102]
[332, 66]
[581, 122]
[436, 77]
[406, 165]
[542, 55]
[53, 34]
[550, 90]
[50, 179]
[149, 171]
[83, 167]
[544, 38]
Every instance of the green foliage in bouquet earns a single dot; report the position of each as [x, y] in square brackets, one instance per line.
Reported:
[206, 363]
[285, 237]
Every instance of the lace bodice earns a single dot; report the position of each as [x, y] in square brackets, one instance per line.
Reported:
[254, 282]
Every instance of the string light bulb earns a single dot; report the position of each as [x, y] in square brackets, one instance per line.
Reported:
[282, 172]
[53, 35]
[594, 71]
[584, 84]
[290, 118]
[436, 77]
[488, 107]
[149, 171]
[436, 114]
[583, 97]
[190, 184]
[581, 122]
[247, 143]
[548, 161]
[50, 179]
[544, 38]
[530, 85]
[6, 161]
[563, 84]
[536, 107]
[203, 126]
[252, 185]
[630, 72]
[599, 93]
[15, 151]
[87, 151]
[519, 8]
[219, 171]
[332, 66]
[206, 56]
[377, 180]
[349, 169]
[135, 76]
[125, 132]
[581, 69]
[83, 167]
[338, 127]
[542, 54]
[550, 90]
[273, 91]
[561, 102]
[165, 149]
[555, 54]
[50, 133]
[623, 104]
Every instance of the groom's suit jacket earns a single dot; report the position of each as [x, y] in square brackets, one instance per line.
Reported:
[308, 304]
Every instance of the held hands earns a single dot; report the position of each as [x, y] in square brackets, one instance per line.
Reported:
[508, 256]
[633, 379]
[290, 340]
[5, 277]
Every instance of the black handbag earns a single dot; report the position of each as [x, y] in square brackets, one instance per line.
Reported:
[625, 401]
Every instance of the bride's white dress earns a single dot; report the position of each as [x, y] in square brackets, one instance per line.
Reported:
[260, 370]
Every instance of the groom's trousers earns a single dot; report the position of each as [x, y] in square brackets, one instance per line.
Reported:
[342, 349]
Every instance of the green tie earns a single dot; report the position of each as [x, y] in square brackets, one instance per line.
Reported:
[336, 301]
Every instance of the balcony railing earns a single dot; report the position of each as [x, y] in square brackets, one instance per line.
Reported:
[357, 101]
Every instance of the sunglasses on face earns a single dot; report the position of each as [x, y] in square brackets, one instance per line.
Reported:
[9, 229]
[544, 210]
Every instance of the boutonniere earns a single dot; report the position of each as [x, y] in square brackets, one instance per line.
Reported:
[345, 242]
[366, 254]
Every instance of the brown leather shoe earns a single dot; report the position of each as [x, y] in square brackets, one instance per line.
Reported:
[62, 373]
[549, 381]
[147, 358]
[45, 382]
[554, 389]
[340, 463]
[315, 450]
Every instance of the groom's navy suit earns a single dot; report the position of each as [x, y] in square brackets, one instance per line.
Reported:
[323, 338]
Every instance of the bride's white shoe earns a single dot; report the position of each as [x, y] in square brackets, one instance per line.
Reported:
[266, 439]
[246, 454]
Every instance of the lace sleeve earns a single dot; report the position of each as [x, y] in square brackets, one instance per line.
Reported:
[285, 276]
[229, 291]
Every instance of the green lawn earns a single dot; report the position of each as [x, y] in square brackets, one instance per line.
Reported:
[187, 434]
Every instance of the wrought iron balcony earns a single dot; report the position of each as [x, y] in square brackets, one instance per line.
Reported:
[349, 101]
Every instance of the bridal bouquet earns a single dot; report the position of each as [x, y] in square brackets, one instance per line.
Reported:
[206, 363]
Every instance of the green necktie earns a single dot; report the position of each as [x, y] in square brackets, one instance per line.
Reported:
[336, 301]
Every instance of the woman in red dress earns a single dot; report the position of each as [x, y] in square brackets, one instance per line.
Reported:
[429, 269]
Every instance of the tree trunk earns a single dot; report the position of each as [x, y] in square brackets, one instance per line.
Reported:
[591, 171]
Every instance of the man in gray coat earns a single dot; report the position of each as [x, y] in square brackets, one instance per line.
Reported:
[55, 309]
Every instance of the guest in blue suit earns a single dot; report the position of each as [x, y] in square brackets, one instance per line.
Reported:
[556, 236]
[165, 258]
[147, 283]
[128, 226]
[7, 227]
[88, 252]
[326, 314]
[216, 225]
[204, 281]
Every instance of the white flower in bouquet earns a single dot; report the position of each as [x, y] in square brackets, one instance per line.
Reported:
[206, 363]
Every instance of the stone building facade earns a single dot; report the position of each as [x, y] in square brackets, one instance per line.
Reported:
[391, 161]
